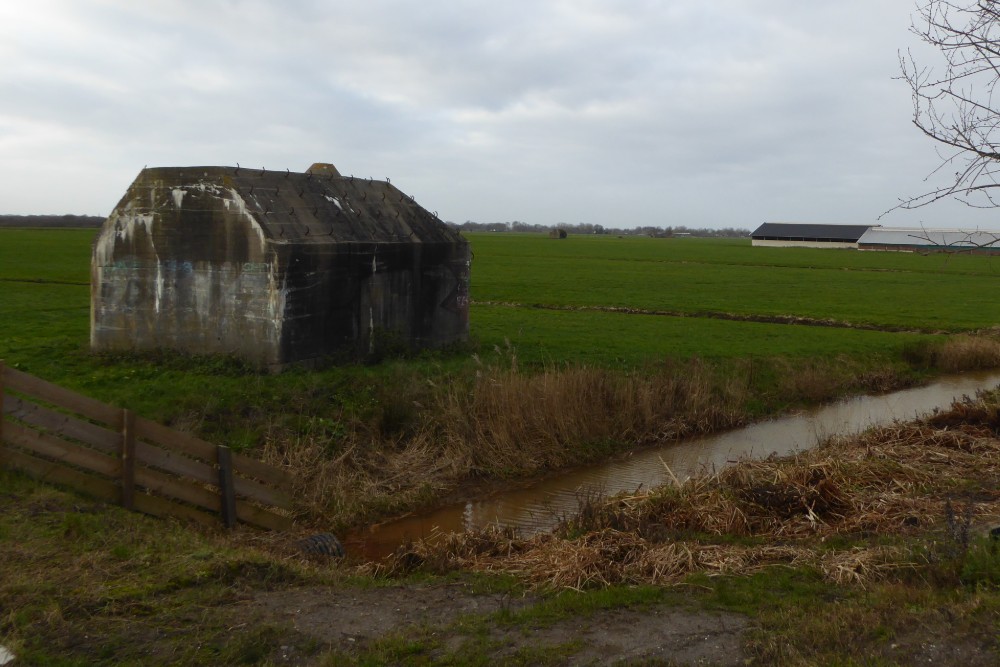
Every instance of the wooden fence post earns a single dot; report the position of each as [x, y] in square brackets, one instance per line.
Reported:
[128, 459]
[64, 437]
[226, 490]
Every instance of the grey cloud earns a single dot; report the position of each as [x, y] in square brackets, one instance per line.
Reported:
[636, 112]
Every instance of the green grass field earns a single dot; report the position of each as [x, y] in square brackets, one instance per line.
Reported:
[44, 300]
[549, 302]
[891, 290]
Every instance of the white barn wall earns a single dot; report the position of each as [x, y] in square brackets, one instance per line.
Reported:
[800, 244]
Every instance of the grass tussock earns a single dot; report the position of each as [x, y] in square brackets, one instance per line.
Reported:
[957, 353]
[810, 510]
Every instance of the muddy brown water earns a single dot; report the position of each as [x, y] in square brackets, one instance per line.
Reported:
[539, 507]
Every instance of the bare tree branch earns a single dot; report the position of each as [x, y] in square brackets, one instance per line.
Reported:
[955, 106]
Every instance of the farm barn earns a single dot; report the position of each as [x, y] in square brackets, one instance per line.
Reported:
[790, 234]
[275, 267]
[916, 239]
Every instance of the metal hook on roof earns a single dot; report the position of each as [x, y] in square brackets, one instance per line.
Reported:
[262, 170]
[291, 211]
[302, 192]
[387, 180]
[364, 196]
[288, 172]
[383, 196]
[251, 190]
[309, 175]
[236, 172]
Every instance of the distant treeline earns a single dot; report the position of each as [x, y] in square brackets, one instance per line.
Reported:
[95, 221]
[51, 221]
[581, 228]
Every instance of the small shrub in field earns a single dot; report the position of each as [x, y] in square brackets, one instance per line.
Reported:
[959, 556]
[981, 567]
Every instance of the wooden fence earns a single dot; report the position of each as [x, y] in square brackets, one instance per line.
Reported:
[59, 436]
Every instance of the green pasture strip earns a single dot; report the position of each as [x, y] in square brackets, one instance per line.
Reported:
[44, 309]
[609, 339]
[722, 251]
[36, 319]
[56, 255]
[45, 327]
[931, 299]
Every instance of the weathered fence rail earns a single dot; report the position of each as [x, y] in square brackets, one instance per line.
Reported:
[60, 436]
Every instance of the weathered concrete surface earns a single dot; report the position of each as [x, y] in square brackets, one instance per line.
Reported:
[275, 267]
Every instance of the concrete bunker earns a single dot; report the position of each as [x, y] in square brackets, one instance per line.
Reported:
[275, 267]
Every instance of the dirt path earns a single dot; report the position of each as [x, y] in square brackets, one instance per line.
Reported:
[350, 619]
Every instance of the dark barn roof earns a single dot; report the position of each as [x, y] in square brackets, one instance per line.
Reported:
[787, 231]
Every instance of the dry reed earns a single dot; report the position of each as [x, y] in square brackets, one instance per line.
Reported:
[959, 353]
[498, 423]
[962, 353]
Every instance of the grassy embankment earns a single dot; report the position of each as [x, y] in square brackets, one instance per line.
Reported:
[864, 551]
[558, 372]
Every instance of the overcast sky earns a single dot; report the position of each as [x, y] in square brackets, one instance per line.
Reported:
[622, 113]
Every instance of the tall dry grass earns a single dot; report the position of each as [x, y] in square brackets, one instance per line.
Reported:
[963, 353]
[507, 422]
[498, 422]
[957, 353]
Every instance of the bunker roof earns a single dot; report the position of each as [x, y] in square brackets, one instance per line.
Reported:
[317, 206]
